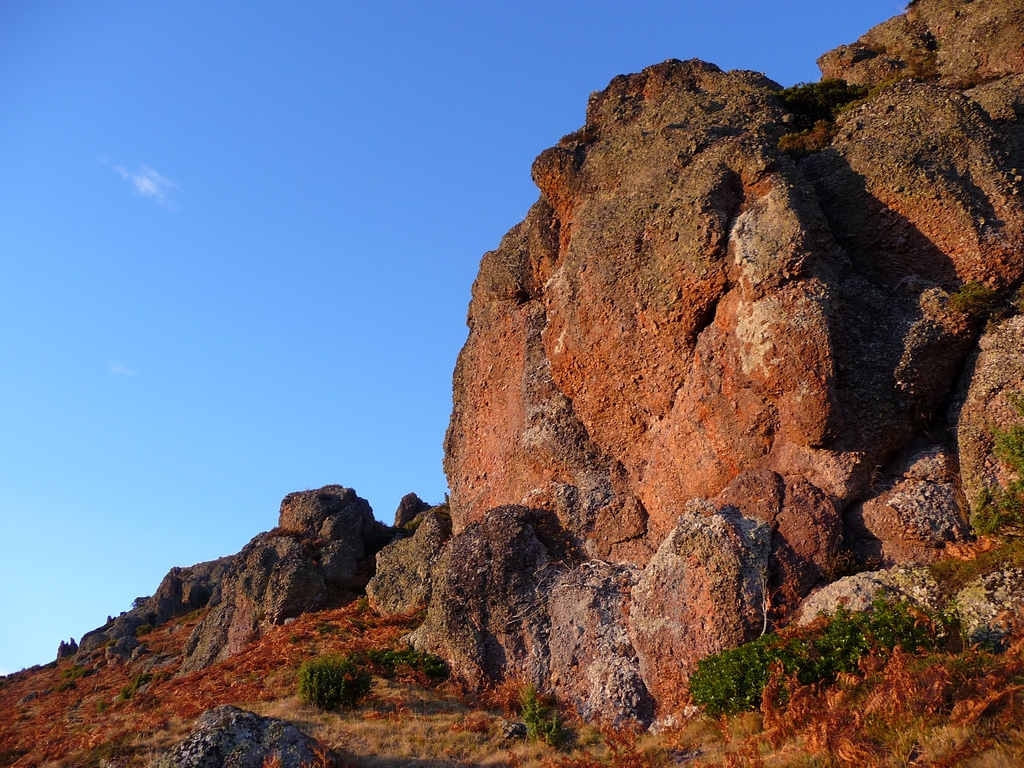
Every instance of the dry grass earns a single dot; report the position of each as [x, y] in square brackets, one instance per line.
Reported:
[910, 710]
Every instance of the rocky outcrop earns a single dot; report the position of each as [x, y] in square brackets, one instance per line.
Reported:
[957, 42]
[403, 581]
[181, 591]
[704, 366]
[709, 307]
[996, 377]
[314, 555]
[409, 508]
[228, 737]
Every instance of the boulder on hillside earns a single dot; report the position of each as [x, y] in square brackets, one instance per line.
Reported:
[594, 667]
[704, 591]
[403, 579]
[317, 553]
[228, 737]
[859, 592]
[488, 615]
[409, 508]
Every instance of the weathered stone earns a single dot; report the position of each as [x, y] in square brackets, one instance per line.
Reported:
[705, 590]
[227, 737]
[958, 42]
[594, 667]
[488, 614]
[914, 521]
[181, 591]
[859, 592]
[991, 607]
[315, 554]
[994, 377]
[402, 582]
[409, 507]
[806, 530]
[121, 649]
[306, 511]
[69, 648]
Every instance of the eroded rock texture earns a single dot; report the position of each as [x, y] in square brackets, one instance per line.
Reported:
[708, 365]
[314, 554]
[960, 41]
[181, 591]
[228, 737]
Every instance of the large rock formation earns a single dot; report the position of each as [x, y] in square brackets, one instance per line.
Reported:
[315, 554]
[701, 365]
[181, 591]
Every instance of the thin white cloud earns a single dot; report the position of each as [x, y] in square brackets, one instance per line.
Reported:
[151, 184]
[119, 370]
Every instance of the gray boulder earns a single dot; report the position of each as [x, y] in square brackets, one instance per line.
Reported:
[227, 737]
[858, 592]
[402, 582]
[488, 614]
[990, 607]
[594, 667]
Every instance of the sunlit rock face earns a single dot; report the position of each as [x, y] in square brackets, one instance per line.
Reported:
[690, 318]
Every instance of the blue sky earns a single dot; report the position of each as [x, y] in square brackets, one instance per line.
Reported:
[236, 247]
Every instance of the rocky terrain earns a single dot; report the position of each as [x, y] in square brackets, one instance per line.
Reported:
[755, 354]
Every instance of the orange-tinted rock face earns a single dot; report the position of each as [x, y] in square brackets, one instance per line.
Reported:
[686, 303]
[719, 365]
[959, 42]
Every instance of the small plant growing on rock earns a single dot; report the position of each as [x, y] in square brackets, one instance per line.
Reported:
[1002, 511]
[542, 721]
[974, 299]
[333, 681]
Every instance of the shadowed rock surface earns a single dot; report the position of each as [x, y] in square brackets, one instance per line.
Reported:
[403, 581]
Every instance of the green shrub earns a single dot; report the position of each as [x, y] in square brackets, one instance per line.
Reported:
[974, 299]
[75, 671]
[133, 687]
[143, 629]
[333, 681]
[387, 662]
[542, 722]
[732, 681]
[814, 102]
